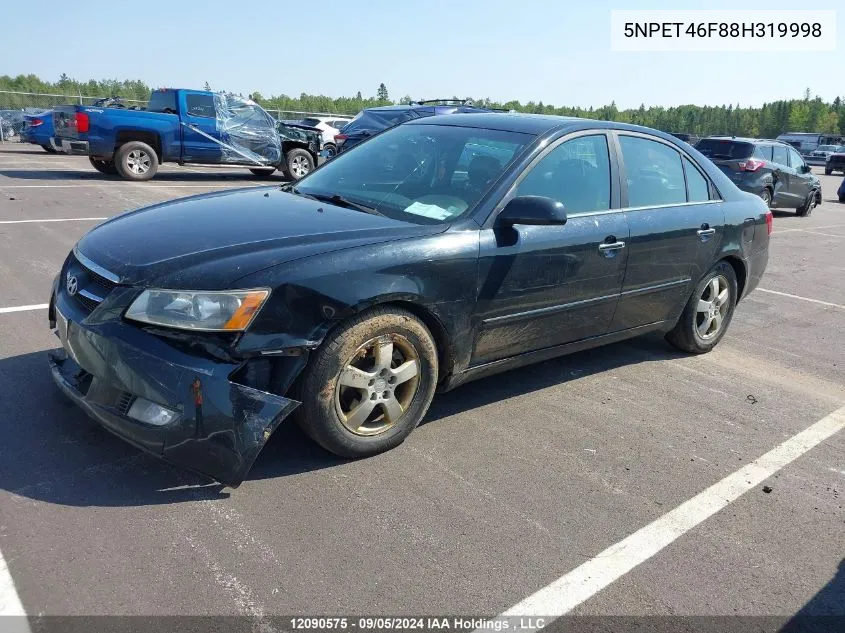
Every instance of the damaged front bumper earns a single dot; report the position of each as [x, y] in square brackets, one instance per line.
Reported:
[216, 428]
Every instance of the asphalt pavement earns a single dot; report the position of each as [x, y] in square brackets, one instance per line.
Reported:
[509, 484]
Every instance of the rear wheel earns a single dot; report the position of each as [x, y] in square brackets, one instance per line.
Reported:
[299, 163]
[369, 384]
[331, 150]
[136, 161]
[708, 312]
[48, 149]
[103, 166]
[766, 195]
[828, 171]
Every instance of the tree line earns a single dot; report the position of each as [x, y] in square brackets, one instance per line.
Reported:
[806, 114]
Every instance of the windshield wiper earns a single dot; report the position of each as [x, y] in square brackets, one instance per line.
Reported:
[340, 201]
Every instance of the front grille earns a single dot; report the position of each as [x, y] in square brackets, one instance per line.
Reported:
[91, 287]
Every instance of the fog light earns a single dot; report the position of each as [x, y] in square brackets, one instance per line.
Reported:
[151, 413]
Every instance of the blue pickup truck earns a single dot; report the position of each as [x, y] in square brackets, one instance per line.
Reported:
[186, 127]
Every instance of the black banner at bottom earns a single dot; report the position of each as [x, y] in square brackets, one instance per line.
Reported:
[426, 623]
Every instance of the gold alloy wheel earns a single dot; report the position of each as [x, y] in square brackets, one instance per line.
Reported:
[377, 385]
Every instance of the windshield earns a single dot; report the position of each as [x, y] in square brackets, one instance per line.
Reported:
[310, 122]
[724, 148]
[425, 174]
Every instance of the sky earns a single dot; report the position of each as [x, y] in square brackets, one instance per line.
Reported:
[554, 51]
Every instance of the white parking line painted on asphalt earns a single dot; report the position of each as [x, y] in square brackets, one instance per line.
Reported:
[826, 226]
[807, 231]
[50, 220]
[818, 301]
[585, 581]
[11, 609]
[35, 306]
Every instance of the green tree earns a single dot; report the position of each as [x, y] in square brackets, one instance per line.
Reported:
[382, 95]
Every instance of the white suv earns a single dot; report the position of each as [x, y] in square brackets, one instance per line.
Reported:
[329, 126]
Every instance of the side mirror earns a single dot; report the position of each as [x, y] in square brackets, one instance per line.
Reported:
[804, 169]
[537, 210]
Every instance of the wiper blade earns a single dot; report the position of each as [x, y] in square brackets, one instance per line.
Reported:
[341, 202]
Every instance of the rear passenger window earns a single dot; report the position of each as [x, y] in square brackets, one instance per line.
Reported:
[200, 105]
[697, 187]
[763, 151]
[779, 155]
[654, 173]
[576, 173]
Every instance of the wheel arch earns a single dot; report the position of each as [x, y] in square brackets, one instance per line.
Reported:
[741, 273]
[153, 139]
[434, 323]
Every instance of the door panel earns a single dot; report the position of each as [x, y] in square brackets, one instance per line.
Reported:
[782, 175]
[198, 113]
[673, 240]
[799, 183]
[542, 286]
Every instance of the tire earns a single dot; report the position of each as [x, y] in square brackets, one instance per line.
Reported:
[136, 161]
[687, 335]
[827, 171]
[766, 195]
[48, 149]
[103, 166]
[807, 208]
[299, 163]
[357, 348]
[331, 150]
[262, 172]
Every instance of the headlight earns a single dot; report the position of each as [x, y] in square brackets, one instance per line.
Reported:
[227, 311]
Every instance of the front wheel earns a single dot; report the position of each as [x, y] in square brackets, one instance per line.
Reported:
[807, 208]
[828, 171]
[369, 384]
[136, 161]
[48, 149]
[708, 312]
[299, 163]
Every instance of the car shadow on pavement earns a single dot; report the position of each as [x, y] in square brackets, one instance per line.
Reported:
[51, 451]
[232, 173]
[824, 612]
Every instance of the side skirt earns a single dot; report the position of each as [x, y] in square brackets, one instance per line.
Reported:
[528, 358]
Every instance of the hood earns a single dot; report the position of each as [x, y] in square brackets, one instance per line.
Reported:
[208, 241]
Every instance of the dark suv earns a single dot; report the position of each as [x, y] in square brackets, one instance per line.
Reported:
[374, 120]
[770, 169]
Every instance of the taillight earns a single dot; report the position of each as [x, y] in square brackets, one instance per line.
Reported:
[769, 221]
[752, 164]
[341, 137]
[82, 122]
[35, 122]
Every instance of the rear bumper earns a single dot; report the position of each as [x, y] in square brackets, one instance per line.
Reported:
[105, 367]
[70, 146]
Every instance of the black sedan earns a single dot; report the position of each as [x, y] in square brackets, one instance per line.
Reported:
[439, 251]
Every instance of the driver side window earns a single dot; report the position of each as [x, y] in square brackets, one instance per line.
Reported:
[576, 173]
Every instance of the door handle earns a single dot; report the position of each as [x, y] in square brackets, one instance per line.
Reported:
[609, 249]
[705, 234]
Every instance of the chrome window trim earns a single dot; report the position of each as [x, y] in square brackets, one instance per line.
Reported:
[102, 272]
[576, 214]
